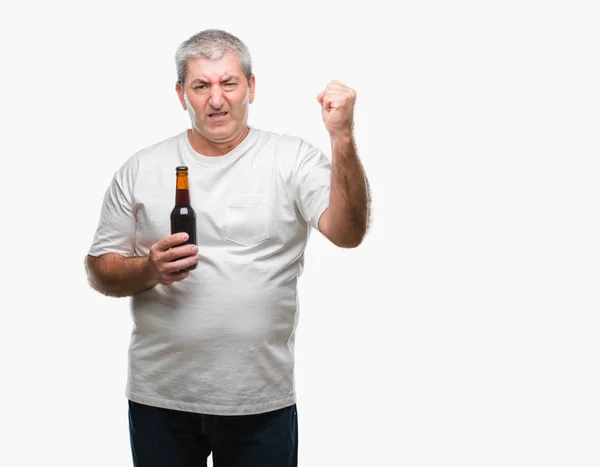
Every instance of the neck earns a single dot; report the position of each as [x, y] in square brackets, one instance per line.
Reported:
[207, 147]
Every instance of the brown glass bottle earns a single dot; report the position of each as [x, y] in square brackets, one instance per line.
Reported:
[183, 217]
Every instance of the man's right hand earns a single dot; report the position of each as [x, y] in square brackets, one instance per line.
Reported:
[167, 260]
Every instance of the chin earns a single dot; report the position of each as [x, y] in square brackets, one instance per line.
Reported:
[221, 132]
[219, 135]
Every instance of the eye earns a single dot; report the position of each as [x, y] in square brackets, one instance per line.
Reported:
[200, 87]
[230, 85]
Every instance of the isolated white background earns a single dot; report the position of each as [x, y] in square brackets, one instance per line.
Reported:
[463, 332]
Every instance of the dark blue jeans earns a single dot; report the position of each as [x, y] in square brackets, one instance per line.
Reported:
[170, 438]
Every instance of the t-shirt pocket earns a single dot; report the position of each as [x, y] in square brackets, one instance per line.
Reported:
[247, 219]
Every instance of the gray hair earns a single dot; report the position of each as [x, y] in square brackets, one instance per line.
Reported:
[211, 44]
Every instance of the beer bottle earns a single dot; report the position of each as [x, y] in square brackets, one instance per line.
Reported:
[183, 217]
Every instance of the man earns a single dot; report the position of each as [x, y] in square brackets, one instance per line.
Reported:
[211, 356]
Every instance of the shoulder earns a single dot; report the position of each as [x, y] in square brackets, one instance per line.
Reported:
[159, 149]
[149, 155]
[287, 146]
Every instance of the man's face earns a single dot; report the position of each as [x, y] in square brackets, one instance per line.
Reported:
[217, 95]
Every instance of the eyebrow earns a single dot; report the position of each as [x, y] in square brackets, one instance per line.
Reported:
[225, 79]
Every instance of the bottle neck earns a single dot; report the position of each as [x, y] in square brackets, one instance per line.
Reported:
[182, 194]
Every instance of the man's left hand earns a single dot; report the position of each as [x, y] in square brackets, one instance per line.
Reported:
[337, 108]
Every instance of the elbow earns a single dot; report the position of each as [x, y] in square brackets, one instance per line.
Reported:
[95, 279]
[87, 268]
[349, 243]
[343, 231]
[349, 240]
[88, 264]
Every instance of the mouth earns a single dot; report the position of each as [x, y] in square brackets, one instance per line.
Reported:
[217, 115]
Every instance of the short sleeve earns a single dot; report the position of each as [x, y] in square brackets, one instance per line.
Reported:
[115, 232]
[311, 183]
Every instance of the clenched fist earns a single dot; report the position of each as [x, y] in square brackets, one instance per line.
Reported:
[337, 107]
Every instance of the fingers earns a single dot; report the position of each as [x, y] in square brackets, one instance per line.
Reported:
[180, 263]
[338, 86]
[172, 271]
[168, 257]
[331, 102]
[175, 259]
[179, 252]
[171, 241]
[175, 277]
[336, 95]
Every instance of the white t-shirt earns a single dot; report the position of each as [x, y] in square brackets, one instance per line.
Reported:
[221, 341]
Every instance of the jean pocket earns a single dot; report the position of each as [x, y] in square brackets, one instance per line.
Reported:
[247, 219]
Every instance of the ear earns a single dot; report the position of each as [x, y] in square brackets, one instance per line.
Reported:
[180, 94]
[252, 86]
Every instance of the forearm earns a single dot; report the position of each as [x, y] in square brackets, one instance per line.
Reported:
[116, 276]
[349, 200]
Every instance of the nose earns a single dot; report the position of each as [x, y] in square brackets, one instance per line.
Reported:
[216, 97]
